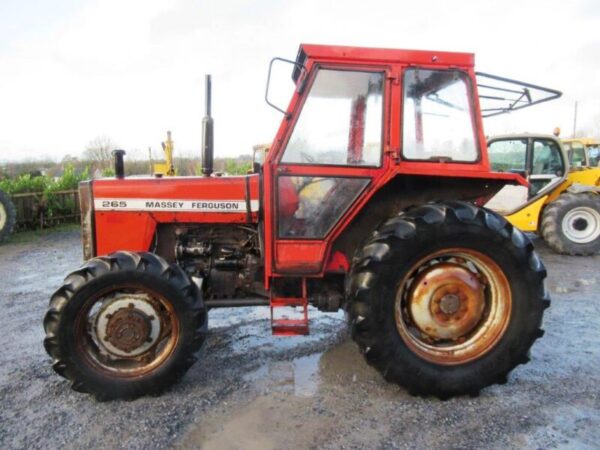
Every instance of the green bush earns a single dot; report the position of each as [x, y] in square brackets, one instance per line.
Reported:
[52, 204]
[24, 183]
[233, 167]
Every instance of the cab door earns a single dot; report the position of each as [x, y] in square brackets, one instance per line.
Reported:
[327, 162]
[548, 166]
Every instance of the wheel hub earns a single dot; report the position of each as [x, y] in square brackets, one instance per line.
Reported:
[128, 325]
[580, 224]
[450, 303]
[446, 301]
[128, 328]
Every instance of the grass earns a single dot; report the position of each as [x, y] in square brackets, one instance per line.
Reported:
[23, 237]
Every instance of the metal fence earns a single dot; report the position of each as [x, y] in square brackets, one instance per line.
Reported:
[43, 210]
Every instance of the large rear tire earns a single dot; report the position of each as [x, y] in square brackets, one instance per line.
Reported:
[571, 224]
[125, 325]
[8, 216]
[446, 299]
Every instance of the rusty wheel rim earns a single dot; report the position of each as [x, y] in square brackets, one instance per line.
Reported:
[126, 331]
[453, 306]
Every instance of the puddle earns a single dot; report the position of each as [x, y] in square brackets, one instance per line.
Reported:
[270, 422]
[298, 377]
[249, 329]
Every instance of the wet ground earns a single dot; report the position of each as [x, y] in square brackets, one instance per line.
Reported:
[252, 390]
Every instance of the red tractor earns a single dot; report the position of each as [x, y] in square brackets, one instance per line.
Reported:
[369, 199]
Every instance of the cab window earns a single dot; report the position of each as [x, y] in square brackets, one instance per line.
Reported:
[577, 154]
[437, 116]
[594, 156]
[508, 155]
[546, 159]
[341, 121]
[547, 166]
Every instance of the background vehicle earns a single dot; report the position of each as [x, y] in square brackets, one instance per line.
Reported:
[561, 204]
[369, 199]
[583, 151]
[167, 168]
[7, 216]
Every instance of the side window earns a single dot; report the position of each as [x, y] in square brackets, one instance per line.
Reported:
[308, 207]
[508, 155]
[340, 122]
[546, 159]
[437, 116]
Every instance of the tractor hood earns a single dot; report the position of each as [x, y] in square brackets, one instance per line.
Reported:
[190, 199]
[124, 214]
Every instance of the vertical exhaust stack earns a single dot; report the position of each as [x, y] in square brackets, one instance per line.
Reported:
[207, 133]
[119, 163]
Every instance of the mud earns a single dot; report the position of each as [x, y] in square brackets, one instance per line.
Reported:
[252, 390]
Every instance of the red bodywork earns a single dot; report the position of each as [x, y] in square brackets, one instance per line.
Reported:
[131, 225]
[127, 228]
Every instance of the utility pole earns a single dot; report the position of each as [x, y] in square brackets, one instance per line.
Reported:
[575, 121]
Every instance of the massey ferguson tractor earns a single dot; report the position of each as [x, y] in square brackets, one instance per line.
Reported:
[369, 199]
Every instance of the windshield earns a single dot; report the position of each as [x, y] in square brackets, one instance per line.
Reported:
[576, 153]
[437, 117]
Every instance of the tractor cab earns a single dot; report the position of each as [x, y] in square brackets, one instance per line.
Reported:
[368, 199]
[539, 159]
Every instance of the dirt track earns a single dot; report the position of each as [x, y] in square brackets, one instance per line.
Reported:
[252, 390]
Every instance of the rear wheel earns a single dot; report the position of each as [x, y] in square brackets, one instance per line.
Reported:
[447, 299]
[7, 216]
[124, 325]
[571, 224]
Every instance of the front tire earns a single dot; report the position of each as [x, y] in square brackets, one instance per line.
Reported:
[124, 325]
[571, 224]
[446, 299]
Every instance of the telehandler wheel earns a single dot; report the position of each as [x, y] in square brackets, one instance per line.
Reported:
[446, 299]
[571, 224]
[8, 216]
[125, 325]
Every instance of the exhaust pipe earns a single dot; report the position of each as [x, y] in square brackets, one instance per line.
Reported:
[207, 133]
[119, 163]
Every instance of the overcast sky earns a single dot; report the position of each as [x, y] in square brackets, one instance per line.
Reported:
[130, 70]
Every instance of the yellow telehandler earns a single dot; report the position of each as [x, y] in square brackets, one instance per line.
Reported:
[561, 203]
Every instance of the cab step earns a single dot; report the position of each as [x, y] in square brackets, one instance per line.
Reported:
[283, 325]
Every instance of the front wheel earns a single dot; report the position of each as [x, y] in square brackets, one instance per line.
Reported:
[124, 325]
[447, 299]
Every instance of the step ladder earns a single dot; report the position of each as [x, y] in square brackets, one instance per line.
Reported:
[285, 326]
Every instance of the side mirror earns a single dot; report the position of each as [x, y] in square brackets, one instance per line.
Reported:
[299, 84]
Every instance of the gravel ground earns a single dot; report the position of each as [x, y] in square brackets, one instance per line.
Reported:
[252, 390]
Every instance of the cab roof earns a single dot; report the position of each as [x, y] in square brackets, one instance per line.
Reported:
[583, 141]
[383, 55]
